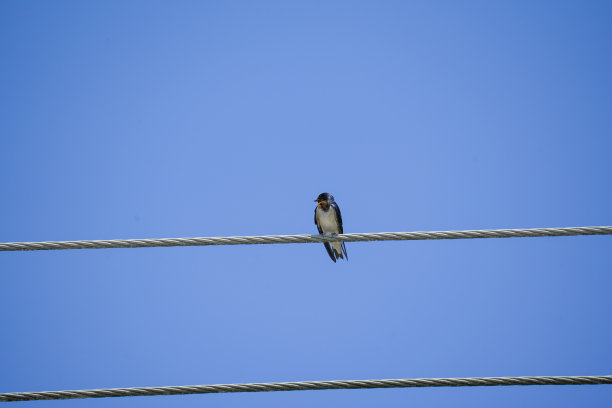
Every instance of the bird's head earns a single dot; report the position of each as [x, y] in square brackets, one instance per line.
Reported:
[325, 199]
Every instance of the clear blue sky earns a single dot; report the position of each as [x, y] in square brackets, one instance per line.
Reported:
[151, 119]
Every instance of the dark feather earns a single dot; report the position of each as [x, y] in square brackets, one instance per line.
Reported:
[330, 252]
[338, 216]
[340, 229]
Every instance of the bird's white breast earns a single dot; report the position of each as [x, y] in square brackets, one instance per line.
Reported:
[327, 221]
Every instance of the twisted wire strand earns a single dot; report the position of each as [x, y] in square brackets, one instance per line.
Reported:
[300, 239]
[306, 385]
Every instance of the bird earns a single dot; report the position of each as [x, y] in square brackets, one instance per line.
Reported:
[329, 221]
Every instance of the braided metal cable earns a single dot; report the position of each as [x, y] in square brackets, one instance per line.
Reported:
[298, 239]
[306, 385]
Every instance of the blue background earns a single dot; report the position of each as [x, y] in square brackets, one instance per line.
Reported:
[152, 119]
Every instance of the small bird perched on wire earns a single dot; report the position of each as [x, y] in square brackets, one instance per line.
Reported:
[329, 221]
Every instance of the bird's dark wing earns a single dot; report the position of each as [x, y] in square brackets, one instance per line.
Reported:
[326, 244]
[340, 228]
[344, 250]
[338, 217]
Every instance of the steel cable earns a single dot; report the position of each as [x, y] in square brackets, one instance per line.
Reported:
[298, 239]
[306, 385]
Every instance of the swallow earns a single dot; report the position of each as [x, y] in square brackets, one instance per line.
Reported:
[329, 221]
